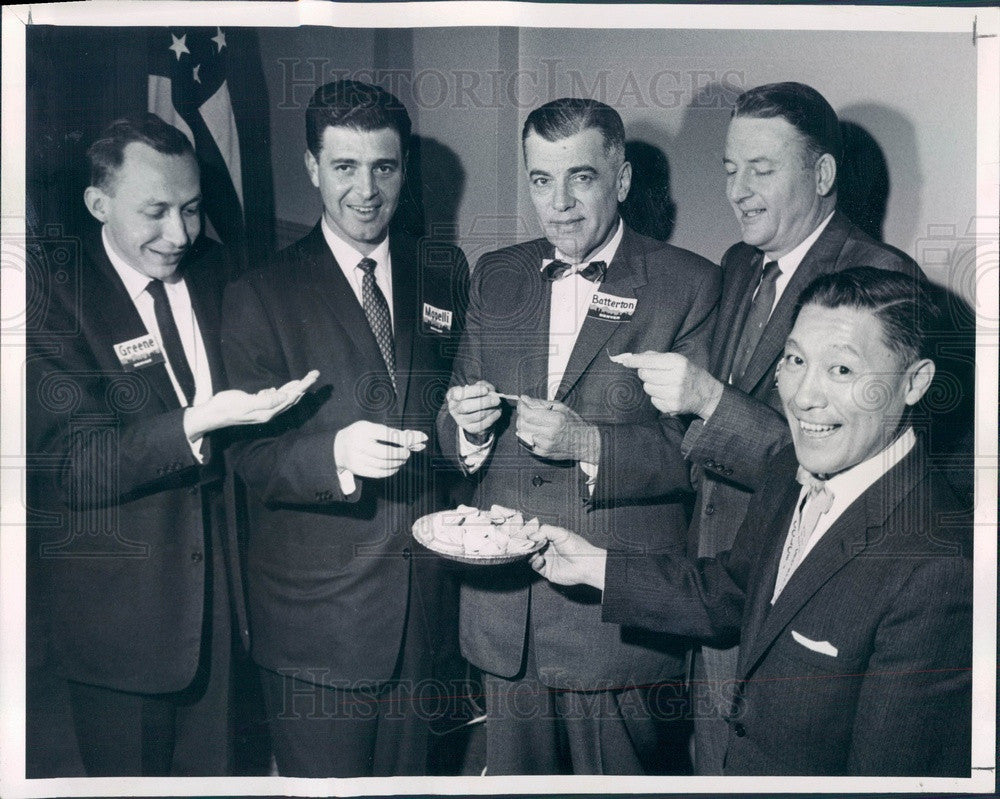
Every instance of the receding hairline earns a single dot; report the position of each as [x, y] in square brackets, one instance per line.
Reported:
[113, 172]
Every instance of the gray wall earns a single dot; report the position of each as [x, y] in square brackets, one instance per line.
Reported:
[469, 89]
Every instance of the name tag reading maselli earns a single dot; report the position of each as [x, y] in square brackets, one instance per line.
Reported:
[138, 352]
[611, 307]
[437, 319]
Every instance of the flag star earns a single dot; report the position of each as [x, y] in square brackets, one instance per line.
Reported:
[179, 46]
[219, 39]
[195, 73]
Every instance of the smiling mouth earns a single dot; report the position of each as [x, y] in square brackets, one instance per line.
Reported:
[365, 210]
[752, 213]
[813, 430]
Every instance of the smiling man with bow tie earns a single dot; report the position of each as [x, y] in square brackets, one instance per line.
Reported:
[583, 447]
[849, 585]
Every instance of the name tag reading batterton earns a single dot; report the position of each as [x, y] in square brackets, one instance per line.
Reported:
[437, 319]
[612, 308]
[138, 352]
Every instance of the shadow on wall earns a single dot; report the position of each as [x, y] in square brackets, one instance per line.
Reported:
[881, 159]
[435, 182]
[649, 208]
[863, 180]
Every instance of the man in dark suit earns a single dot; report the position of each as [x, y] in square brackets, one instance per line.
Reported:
[850, 594]
[781, 158]
[338, 625]
[124, 395]
[576, 443]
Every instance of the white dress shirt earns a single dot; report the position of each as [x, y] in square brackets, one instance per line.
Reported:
[847, 486]
[187, 327]
[348, 258]
[789, 262]
[570, 301]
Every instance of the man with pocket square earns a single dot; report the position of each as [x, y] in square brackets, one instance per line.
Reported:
[849, 585]
[574, 442]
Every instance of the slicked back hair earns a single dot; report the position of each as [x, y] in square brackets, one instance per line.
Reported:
[803, 108]
[568, 116]
[107, 153]
[356, 105]
[903, 304]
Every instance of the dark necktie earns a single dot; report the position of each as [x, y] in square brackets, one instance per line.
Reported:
[171, 339]
[594, 271]
[377, 311]
[760, 312]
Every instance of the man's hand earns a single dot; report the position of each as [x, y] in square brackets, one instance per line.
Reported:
[367, 449]
[569, 559]
[233, 407]
[475, 408]
[553, 430]
[674, 384]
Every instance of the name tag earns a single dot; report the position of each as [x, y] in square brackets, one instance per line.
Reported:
[138, 352]
[612, 308]
[437, 319]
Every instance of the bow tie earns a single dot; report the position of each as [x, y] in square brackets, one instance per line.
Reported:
[594, 271]
[818, 490]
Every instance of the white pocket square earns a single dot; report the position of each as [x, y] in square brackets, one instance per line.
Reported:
[823, 647]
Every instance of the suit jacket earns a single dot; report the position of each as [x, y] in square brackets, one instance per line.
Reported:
[888, 587]
[638, 499]
[130, 522]
[328, 574]
[733, 448]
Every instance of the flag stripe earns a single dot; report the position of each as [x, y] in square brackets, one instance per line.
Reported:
[217, 112]
[161, 104]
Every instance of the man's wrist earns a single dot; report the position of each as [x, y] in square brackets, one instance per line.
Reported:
[477, 439]
[590, 445]
[713, 398]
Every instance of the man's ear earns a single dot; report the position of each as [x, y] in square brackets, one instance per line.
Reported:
[312, 167]
[826, 174]
[624, 181]
[97, 203]
[918, 379]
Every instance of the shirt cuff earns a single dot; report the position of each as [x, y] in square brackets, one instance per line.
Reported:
[196, 449]
[473, 455]
[590, 470]
[347, 484]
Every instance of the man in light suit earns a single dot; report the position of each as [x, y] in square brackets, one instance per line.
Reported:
[850, 594]
[574, 442]
[125, 407]
[781, 158]
[338, 626]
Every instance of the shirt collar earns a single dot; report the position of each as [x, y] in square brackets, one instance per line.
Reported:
[134, 280]
[848, 485]
[790, 261]
[347, 256]
[606, 253]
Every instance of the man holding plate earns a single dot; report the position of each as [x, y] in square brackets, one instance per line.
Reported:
[556, 430]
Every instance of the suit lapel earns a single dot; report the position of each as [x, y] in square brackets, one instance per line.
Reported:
[857, 526]
[121, 319]
[820, 258]
[406, 279]
[331, 285]
[738, 302]
[625, 275]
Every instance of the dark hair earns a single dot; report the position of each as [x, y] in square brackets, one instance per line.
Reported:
[902, 303]
[356, 105]
[568, 116]
[107, 153]
[803, 108]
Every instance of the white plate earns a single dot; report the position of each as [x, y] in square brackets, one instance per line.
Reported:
[422, 532]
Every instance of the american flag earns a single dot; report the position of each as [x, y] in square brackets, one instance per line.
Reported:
[188, 88]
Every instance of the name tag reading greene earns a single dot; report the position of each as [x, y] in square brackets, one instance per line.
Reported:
[138, 352]
[612, 308]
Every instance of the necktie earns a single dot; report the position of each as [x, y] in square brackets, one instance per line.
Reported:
[377, 311]
[760, 312]
[817, 502]
[594, 271]
[171, 339]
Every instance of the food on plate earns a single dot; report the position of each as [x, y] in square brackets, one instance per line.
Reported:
[473, 533]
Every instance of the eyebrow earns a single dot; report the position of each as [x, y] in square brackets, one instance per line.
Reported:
[573, 170]
[356, 162]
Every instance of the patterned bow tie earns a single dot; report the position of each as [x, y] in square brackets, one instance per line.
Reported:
[594, 271]
[818, 490]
